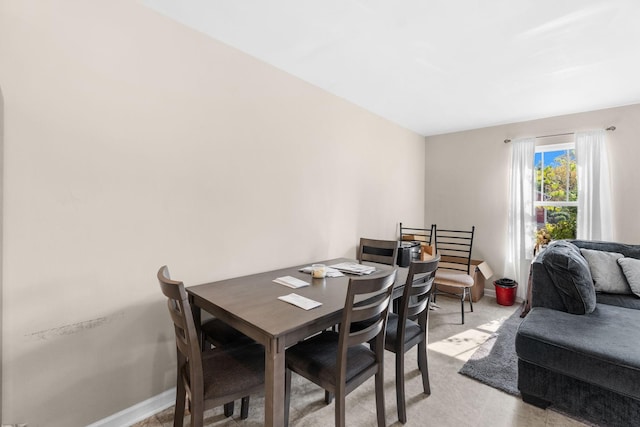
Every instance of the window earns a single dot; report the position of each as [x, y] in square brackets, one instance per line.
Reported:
[556, 192]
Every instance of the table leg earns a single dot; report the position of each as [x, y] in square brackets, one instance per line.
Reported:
[274, 384]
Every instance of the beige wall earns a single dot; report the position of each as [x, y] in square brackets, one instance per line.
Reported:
[131, 142]
[468, 172]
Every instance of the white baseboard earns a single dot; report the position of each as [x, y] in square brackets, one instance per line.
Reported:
[491, 293]
[139, 411]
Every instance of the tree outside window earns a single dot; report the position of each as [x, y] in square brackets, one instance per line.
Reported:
[556, 192]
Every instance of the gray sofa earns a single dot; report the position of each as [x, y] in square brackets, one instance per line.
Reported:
[579, 346]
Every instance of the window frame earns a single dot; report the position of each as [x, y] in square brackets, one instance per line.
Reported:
[569, 145]
[543, 232]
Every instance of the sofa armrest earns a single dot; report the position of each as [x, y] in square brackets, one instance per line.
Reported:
[543, 291]
[568, 273]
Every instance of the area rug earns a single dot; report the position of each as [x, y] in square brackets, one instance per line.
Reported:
[495, 362]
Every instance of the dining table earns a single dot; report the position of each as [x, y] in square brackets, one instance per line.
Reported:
[251, 305]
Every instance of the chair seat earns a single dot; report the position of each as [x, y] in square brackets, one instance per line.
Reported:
[411, 332]
[317, 355]
[233, 371]
[220, 334]
[453, 278]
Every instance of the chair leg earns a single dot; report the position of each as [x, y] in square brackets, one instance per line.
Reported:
[464, 294]
[423, 365]
[181, 396]
[197, 412]
[328, 397]
[228, 409]
[287, 395]
[340, 411]
[400, 399]
[244, 408]
[379, 398]
[470, 300]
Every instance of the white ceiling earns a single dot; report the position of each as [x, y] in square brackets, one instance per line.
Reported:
[439, 66]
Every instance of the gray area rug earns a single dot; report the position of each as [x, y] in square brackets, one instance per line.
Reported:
[495, 362]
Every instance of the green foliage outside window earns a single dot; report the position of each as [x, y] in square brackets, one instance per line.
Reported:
[556, 181]
[564, 225]
[560, 178]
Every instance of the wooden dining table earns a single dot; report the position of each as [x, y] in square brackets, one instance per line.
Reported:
[251, 305]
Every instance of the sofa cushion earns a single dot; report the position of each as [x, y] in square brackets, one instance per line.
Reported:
[626, 301]
[571, 276]
[599, 348]
[632, 251]
[605, 271]
[631, 269]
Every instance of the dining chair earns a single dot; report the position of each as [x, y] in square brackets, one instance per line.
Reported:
[409, 327]
[413, 234]
[378, 251]
[454, 270]
[341, 361]
[212, 377]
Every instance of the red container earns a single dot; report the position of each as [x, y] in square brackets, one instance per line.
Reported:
[506, 291]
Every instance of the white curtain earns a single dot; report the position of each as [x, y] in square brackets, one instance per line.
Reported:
[521, 227]
[594, 191]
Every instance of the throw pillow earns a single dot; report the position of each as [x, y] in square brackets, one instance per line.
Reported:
[570, 274]
[607, 274]
[631, 269]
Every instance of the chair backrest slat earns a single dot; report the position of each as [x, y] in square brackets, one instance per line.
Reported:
[367, 304]
[364, 335]
[412, 234]
[416, 296]
[180, 327]
[419, 298]
[454, 247]
[187, 343]
[380, 251]
[368, 309]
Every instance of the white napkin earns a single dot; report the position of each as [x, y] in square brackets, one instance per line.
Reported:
[300, 301]
[291, 282]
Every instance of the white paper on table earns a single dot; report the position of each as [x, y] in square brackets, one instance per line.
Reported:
[300, 301]
[354, 268]
[291, 282]
[330, 272]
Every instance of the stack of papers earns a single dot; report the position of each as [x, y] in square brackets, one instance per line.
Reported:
[354, 268]
[331, 272]
[300, 301]
[291, 282]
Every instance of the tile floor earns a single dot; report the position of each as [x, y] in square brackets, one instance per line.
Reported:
[455, 399]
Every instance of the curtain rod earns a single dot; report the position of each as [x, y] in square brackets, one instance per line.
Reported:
[611, 128]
